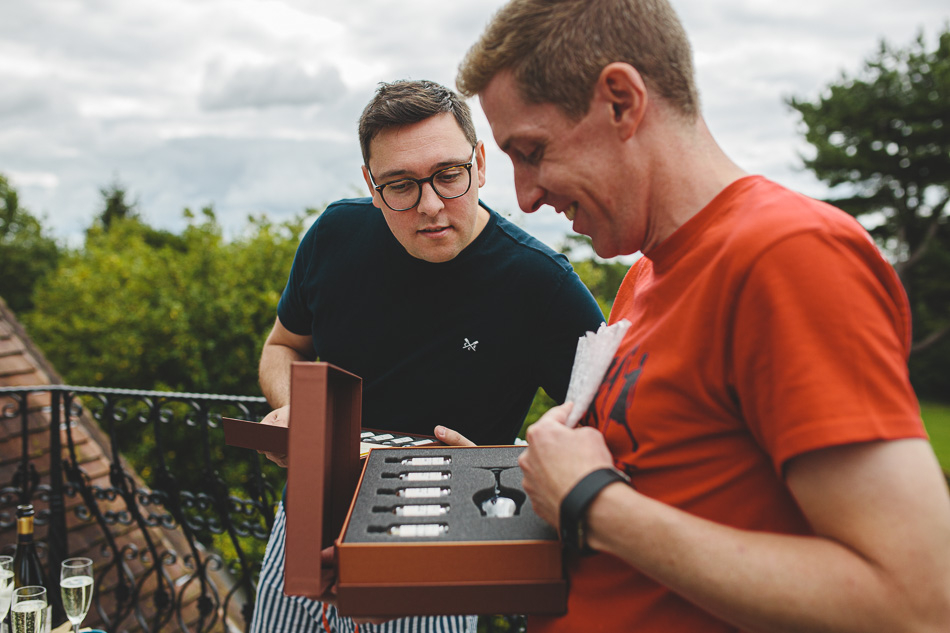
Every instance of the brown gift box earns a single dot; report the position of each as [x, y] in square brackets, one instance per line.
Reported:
[479, 565]
[468, 572]
[256, 436]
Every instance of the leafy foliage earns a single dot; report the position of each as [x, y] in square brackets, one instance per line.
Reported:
[502, 624]
[115, 206]
[27, 252]
[140, 308]
[881, 140]
[936, 418]
[601, 277]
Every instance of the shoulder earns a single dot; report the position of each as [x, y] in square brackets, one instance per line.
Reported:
[519, 265]
[347, 213]
[755, 218]
[344, 220]
[519, 248]
[766, 212]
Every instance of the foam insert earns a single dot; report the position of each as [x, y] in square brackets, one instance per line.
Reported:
[469, 481]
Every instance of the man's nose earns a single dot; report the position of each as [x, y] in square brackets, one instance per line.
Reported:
[530, 194]
[429, 201]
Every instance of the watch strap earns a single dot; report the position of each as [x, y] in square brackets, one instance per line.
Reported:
[575, 503]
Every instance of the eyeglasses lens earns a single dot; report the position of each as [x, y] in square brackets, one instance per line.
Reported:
[452, 182]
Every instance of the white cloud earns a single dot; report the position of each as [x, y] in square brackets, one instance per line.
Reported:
[45, 180]
[251, 105]
[269, 85]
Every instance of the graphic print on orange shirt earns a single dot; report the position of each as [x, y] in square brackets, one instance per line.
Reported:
[616, 396]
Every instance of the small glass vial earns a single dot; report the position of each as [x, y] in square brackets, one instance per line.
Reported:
[421, 461]
[424, 475]
[418, 510]
[412, 530]
[417, 493]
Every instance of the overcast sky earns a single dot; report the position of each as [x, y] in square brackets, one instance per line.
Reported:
[251, 105]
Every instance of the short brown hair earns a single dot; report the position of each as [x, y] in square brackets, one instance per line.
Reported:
[556, 50]
[406, 102]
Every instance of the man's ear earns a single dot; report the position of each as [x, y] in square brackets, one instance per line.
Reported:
[377, 201]
[480, 162]
[621, 87]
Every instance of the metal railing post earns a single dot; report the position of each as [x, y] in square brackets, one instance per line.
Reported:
[57, 537]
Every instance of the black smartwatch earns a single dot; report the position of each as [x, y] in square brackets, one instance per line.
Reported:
[574, 506]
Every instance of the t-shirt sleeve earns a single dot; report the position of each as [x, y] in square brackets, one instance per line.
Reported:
[820, 347]
[293, 309]
[572, 313]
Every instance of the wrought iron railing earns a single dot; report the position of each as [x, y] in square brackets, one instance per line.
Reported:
[175, 521]
[142, 483]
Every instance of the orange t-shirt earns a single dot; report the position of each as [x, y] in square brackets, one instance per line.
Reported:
[765, 327]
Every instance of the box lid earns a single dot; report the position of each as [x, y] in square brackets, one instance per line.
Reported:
[323, 456]
[254, 435]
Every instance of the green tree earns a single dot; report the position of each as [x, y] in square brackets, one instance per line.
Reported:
[27, 252]
[881, 141]
[138, 307]
[185, 312]
[115, 206]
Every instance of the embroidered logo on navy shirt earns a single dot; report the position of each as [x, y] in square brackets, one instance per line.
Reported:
[469, 345]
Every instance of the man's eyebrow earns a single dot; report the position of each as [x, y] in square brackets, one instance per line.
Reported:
[405, 173]
[507, 145]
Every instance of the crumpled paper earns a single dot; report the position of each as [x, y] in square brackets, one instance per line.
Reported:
[594, 353]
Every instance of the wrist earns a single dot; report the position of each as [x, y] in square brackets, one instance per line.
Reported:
[576, 503]
[598, 514]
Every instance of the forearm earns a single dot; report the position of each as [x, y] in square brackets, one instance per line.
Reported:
[274, 373]
[769, 582]
[757, 581]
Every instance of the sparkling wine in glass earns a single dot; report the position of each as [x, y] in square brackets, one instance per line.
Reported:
[75, 581]
[6, 585]
[28, 610]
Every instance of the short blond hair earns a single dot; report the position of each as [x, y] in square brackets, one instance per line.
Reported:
[556, 50]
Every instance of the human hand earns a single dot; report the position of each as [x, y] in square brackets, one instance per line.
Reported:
[452, 438]
[277, 417]
[557, 458]
[328, 574]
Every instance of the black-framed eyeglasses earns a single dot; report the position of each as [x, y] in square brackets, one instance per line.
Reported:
[448, 183]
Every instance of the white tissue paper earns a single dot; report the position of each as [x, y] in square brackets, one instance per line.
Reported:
[594, 352]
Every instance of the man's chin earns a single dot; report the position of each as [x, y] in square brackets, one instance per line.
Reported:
[435, 254]
[603, 248]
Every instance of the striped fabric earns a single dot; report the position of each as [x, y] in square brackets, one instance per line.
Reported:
[276, 613]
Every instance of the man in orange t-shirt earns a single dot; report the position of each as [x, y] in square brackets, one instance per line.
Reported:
[754, 458]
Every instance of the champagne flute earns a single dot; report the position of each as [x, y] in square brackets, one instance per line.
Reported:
[28, 612]
[75, 580]
[6, 585]
[498, 501]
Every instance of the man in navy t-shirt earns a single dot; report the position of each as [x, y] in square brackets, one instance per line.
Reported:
[451, 315]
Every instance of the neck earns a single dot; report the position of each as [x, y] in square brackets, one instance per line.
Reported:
[688, 171]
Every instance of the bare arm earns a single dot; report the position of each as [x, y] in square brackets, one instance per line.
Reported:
[880, 559]
[281, 348]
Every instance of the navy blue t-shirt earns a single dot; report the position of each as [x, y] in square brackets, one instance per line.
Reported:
[463, 343]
